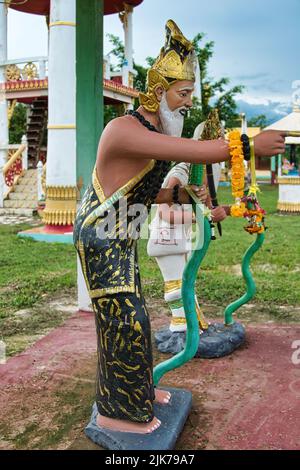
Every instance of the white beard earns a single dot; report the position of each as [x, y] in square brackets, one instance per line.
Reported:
[172, 121]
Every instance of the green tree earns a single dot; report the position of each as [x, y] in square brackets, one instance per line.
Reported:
[258, 121]
[17, 126]
[193, 118]
[118, 51]
[213, 93]
[140, 78]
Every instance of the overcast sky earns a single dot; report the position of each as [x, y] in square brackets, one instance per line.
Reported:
[256, 42]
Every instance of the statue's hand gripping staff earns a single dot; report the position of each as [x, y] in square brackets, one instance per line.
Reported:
[213, 130]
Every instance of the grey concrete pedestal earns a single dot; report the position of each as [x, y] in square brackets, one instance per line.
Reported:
[218, 341]
[172, 416]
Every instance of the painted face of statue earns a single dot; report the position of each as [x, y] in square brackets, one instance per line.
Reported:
[174, 105]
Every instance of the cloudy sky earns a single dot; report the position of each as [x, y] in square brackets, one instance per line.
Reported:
[256, 42]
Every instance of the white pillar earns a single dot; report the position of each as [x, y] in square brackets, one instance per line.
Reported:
[125, 75]
[61, 156]
[126, 18]
[84, 301]
[3, 101]
[40, 192]
[42, 69]
[24, 153]
[128, 31]
[107, 63]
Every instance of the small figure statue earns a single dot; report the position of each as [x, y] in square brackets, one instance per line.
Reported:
[287, 167]
[170, 242]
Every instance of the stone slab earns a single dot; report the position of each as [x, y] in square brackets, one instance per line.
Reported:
[172, 416]
[218, 341]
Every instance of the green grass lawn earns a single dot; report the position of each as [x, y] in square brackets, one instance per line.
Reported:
[32, 272]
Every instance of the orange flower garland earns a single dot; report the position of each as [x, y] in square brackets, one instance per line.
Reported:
[245, 205]
[237, 173]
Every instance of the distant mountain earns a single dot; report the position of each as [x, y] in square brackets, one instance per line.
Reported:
[273, 110]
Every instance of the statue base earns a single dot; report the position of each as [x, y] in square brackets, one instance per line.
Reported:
[172, 416]
[217, 341]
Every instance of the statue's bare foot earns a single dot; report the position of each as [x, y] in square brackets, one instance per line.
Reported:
[127, 426]
[162, 397]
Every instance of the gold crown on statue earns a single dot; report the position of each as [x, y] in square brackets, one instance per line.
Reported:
[177, 61]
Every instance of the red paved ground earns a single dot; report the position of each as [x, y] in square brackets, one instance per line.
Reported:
[55, 353]
[250, 400]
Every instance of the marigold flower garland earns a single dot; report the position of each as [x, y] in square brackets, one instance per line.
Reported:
[237, 173]
[246, 205]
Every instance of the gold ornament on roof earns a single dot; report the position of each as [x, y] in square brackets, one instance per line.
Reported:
[12, 73]
[177, 61]
[30, 71]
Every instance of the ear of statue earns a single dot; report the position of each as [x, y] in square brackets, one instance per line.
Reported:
[159, 91]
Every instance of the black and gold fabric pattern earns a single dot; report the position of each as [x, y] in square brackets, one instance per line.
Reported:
[124, 387]
[108, 255]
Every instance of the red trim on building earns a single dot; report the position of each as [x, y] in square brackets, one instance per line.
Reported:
[122, 89]
[42, 7]
[17, 85]
[115, 6]
[28, 85]
[37, 7]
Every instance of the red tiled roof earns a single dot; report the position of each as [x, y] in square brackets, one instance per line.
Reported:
[24, 85]
[122, 89]
[18, 85]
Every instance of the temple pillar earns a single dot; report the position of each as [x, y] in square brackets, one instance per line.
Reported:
[293, 153]
[61, 190]
[3, 102]
[273, 170]
[126, 18]
[279, 163]
[128, 30]
[83, 297]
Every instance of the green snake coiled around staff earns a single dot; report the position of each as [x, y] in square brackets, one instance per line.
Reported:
[247, 275]
[188, 286]
[188, 297]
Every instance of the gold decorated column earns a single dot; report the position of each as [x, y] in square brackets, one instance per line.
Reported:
[61, 190]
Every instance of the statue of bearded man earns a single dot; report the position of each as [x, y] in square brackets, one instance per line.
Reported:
[134, 156]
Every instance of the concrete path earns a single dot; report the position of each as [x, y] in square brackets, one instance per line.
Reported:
[250, 400]
[19, 219]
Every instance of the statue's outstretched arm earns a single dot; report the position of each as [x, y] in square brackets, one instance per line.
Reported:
[123, 137]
